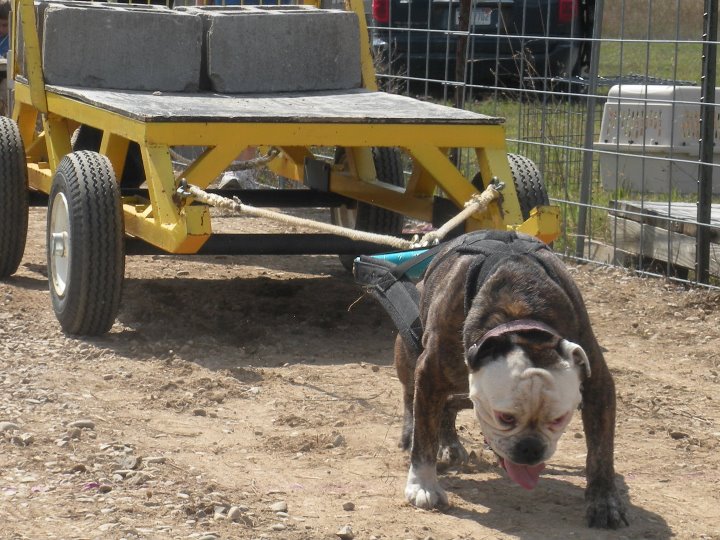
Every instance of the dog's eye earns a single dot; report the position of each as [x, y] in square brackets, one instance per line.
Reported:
[505, 419]
[559, 421]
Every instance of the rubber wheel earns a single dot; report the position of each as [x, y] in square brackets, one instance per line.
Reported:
[13, 198]
[85, 250]
[89, 138]
[366, 217]
[529, 184]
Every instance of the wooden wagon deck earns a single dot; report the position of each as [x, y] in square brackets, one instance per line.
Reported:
[348, 106]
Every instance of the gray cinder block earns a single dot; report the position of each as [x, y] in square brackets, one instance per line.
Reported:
[122, 48]
[257, 49]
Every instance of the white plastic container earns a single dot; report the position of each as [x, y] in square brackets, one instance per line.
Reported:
[650, 139]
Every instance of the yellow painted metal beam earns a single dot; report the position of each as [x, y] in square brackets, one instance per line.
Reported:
[161, 184]
[544, 223]
[31, 50]
[324, 134]
[382, 195]
[421, 183]
[456, 187]
[115, 148]
[367, 66]
[40, 177]
[26, 117]
[494, 163]
[360, 164]
[36, 149]
[57, 138]
[211, 163]
[186, 236]
[291, 162]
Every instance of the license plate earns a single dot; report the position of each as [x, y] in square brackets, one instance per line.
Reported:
[478, 17]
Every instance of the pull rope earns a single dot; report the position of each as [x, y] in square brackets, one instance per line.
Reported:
[478, 203]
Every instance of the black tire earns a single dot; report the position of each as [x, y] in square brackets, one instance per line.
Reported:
[89, 138]
[13, 198]
[366, 217]
[529, 184]
[85, 249]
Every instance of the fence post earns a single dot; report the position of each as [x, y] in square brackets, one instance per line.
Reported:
[707, 141]
[587, 167]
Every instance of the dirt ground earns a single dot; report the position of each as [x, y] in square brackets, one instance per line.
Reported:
[254, 397]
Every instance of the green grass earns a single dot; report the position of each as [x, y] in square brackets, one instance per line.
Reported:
[672, 61]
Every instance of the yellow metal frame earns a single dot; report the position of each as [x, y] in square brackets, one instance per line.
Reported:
[171, 224]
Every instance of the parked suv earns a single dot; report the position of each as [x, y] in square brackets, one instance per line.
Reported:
[513, 39]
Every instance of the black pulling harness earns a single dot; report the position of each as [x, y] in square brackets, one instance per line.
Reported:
[396, 291]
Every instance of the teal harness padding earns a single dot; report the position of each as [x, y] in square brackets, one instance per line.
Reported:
[415, 271]
[391, 277]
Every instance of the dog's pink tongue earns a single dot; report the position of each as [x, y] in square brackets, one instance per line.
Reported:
[525, 475]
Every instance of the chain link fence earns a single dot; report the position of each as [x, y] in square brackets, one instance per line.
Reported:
[614, 100]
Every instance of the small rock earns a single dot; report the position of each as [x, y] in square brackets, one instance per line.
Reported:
[278, 527]
[82, 424]
[26, 439]
[345, 533]
[108, 377]
[138, 479]
[375, 369]
[79, 468]
[338, 441]
[154, 460]
[104, 488]
[130, 462]
[74, 434]
[234, 514]
[348, 506]
[199, 412]
[677, 435]
[280, 506]
[8, 426]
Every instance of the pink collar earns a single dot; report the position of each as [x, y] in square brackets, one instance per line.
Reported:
[520, 325]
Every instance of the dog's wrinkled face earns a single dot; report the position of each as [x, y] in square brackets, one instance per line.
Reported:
[524, 394]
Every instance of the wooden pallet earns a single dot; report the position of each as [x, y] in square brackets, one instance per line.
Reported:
[663, 232]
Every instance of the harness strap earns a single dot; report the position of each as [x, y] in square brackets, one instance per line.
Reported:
[397, 295]
[393, 285]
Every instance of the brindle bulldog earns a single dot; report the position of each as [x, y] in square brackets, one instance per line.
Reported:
[503, 321]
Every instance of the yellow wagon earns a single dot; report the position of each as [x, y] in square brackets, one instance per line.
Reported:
[121, 194]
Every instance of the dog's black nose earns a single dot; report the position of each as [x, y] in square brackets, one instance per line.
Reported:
[529, 451]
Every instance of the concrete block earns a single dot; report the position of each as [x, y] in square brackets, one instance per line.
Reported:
[267, 49]
[123, 48]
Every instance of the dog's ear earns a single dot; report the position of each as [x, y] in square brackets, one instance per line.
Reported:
[484, 351]
[575, 355]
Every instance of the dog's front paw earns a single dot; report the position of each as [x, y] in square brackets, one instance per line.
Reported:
[605, 510]
[423, 489]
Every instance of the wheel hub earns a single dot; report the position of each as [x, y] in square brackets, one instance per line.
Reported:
[59, 244]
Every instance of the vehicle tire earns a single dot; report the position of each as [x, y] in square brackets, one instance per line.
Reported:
[85, 246]
[366, 217]
[13, 198]
[89, 138]
[529, 184]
